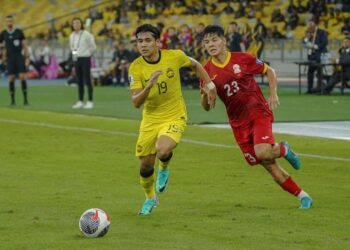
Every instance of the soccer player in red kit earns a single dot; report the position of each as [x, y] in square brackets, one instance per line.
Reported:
[249, 114]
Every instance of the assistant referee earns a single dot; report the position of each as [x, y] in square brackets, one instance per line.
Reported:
[15, 44]
[82, 45]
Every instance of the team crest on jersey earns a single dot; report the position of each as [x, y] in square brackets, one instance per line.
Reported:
[236, 69]
[170, 73]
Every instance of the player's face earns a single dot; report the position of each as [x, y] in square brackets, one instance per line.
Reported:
[214, 44]
[147, 45]
[346, 43]
[9, 22]
[76, 25]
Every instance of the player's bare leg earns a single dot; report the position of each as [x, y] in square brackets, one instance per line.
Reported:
[164, 147]
[286, 182]
[270, 152]
[147, 178]
[12, 79]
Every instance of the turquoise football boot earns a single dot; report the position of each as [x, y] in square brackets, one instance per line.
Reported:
[291, 157]
[162, 180]
[148, 205]
[306, 202]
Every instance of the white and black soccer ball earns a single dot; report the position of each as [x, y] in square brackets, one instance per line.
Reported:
[94, 222]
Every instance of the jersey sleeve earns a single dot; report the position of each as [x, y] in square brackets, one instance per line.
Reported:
[135, 77]
[2, 37]
[182, 59]
[254, 65]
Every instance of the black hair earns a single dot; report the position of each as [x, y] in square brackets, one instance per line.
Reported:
[81, 22]
[9, 16]
[148, 28]
[213, 29]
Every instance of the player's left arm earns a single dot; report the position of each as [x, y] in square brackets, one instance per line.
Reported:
[209, 87]
[273, 97]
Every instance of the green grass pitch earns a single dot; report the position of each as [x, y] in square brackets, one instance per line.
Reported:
[55, 163]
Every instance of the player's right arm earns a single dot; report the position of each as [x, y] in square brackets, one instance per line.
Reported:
[204, 100]
[139, 95]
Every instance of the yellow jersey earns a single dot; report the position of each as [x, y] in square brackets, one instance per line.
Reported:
[164, 102]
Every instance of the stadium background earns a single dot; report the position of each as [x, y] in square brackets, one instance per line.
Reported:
[57, 162]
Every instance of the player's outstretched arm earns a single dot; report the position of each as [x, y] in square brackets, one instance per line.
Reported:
[209, 86]
[139, 95]
[204, 101]
[273, 97]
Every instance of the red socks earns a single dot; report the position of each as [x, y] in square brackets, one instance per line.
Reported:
[291, 187]
[283, 150]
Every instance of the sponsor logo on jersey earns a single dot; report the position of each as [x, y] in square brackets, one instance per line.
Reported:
[236, 69]
[213, 77]
[265, 137]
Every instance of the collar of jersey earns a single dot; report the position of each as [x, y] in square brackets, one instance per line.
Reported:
[223, 64]
[160, 56]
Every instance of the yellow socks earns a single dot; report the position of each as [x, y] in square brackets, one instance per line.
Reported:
[147, 184]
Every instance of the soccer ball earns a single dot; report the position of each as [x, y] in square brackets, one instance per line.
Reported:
[94, 222]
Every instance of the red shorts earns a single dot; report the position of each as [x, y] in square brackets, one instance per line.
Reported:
[258, 131]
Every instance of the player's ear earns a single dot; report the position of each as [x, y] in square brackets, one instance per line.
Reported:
[159, 44]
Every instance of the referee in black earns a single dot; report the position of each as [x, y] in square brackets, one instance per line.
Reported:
[16, 54]
[83, 45]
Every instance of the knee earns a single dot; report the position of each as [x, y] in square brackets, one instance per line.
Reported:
[163, 152]
[146, 166]
[263, 154]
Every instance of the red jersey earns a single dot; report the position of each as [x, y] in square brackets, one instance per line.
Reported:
[237, 88]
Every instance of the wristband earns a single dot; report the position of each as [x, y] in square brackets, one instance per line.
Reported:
[210, 86]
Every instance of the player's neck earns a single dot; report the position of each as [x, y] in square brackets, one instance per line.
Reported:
[154, 58]
[221, 57]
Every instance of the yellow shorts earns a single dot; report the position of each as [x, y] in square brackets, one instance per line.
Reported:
[150, 132]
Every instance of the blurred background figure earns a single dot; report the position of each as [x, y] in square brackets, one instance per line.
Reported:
[15, 43]
[82, 45]
[316, 41]
[344, 69]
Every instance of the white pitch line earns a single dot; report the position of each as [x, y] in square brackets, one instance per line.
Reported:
[102, 131]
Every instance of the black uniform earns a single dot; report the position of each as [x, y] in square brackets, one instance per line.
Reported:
[13, 42]
[15, 60]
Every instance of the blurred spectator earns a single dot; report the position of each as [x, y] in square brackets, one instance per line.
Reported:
[292, 20]
[234, 38]
[344, 58]
[228, 8]
[346, 28]
[42, 57]
[202, 8]
[316, 41]
[277, 16]
[121, 60]
[291, 7]
[185, 37]
[241, 10]
[260, 28]
[300, 8]
[150, 9]
[94, 14]
[170, 38]
[134, 53]
[276, 34]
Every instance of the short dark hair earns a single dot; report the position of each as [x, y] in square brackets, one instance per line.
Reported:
[234, 23]
[148, 28]
[213, 29]
[9, 16]
[81, 22]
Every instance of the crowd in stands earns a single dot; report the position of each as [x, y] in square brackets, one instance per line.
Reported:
[249, 27]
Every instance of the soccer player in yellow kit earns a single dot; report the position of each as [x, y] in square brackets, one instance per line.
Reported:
[155, 83]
